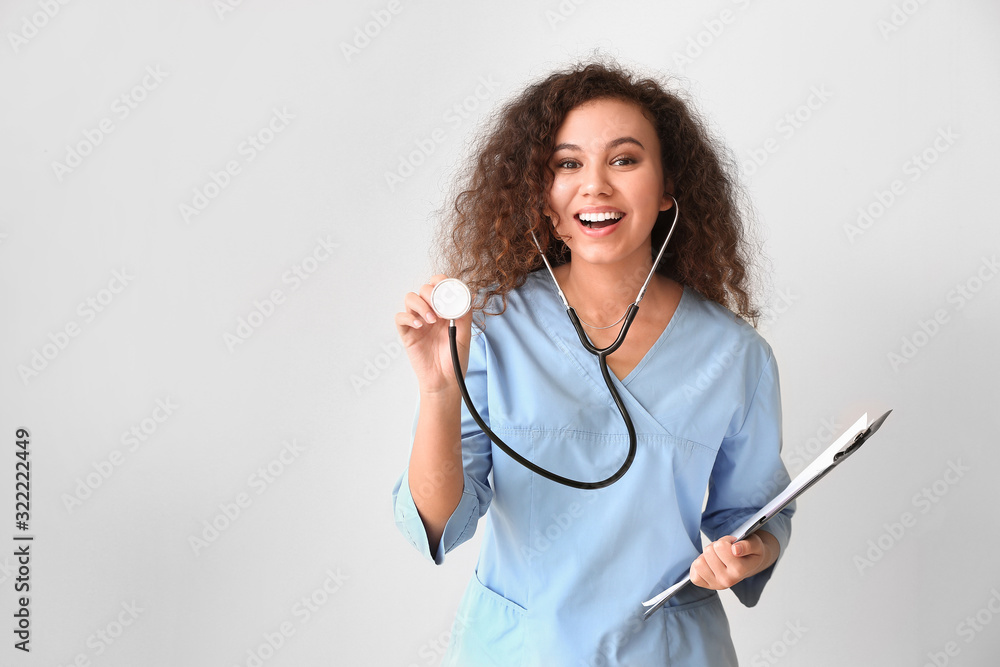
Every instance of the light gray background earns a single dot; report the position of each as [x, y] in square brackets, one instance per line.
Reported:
[324, 369]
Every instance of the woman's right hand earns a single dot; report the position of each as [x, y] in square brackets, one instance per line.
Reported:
[425, 338]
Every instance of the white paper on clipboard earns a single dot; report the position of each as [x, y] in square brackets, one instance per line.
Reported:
[821, 465]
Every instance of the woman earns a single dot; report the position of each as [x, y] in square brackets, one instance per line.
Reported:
[593, 163]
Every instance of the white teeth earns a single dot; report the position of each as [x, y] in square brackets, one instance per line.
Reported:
[600, 217]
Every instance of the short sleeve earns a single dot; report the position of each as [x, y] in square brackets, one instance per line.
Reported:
[477, 462]
[748, 473]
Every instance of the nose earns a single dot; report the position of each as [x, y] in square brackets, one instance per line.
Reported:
[595, 180]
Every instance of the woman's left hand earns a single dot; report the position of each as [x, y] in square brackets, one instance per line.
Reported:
[727, 562]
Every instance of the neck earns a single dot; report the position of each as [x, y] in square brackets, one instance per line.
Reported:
[601, 293]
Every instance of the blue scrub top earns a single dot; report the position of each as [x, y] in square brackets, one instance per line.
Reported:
[562, 572]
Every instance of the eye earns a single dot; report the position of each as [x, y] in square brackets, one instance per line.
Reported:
[567, 164]
[624, 161]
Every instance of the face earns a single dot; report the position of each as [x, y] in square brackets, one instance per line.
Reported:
[608, 186]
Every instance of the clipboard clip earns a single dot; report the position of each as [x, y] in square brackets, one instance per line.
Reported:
[859, 439]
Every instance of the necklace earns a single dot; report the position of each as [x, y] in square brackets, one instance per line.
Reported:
[607, 327]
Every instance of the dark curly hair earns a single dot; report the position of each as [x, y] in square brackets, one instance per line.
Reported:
[501, 194]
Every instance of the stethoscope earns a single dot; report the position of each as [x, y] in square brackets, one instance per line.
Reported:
[451, 299]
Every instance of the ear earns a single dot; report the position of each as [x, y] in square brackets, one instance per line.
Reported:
[546, 210]
[548, 215]
[666, 203]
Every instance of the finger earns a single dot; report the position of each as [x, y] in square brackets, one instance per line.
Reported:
[420, 307]
[425, 294]
[700, 573]
[407, 320]
[752, 546]
[727, 569]
[723, 548]
[714, 559]
[425, 289]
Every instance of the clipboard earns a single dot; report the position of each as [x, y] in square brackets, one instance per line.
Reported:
[848, 443]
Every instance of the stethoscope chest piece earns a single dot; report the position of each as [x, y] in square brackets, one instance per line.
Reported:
[451, 299]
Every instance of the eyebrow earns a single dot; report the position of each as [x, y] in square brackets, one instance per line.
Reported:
[611, 144]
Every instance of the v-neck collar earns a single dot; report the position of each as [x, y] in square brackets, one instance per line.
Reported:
[671, 325]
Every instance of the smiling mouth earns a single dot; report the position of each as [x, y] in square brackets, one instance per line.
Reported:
[599, 220]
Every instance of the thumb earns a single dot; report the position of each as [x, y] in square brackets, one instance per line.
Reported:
[752, 546]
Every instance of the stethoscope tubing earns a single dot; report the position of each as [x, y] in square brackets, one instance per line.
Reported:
[600, 353]
[601, 356]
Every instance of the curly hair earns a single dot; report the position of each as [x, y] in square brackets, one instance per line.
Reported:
[502, 192]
